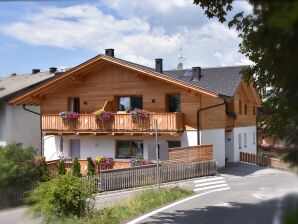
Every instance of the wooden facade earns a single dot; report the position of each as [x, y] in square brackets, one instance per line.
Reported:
[105, 82]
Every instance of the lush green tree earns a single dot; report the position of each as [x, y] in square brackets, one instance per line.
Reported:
[91, 167]
[17, 167]
[62, 196]
[61, 167]
[269, 39]
[76, 168]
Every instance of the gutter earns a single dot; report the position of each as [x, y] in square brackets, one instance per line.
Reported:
[41, 136]
[198, 118]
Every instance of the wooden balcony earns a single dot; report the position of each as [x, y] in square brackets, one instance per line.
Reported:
[122, 123]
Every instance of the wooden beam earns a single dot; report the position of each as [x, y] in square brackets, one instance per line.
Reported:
[117, 133]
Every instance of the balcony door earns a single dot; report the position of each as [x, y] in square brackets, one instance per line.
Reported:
[74, 104]
[75, 148]
[173, 102]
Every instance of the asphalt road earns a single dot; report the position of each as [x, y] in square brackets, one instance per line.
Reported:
[244, 193]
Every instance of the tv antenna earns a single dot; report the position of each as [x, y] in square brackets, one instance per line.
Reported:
[181, 58]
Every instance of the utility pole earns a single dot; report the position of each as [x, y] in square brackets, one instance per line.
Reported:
[157, 153]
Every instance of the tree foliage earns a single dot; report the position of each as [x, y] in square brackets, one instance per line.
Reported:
[76, 168]
[269, 39]
[43, 171]
[17, 166]
[63, 196]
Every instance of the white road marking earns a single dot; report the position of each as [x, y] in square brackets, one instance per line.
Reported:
[174, 204]
[210, 187]
[227, 205]
[208, 179]
[210, 183]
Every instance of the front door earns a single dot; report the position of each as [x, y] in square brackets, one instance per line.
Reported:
[75, 148]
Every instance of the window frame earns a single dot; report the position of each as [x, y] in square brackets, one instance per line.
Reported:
[117, 100]
[176, 141]
[130, 148]
[239, 141]
[168, 95]
[245, 139]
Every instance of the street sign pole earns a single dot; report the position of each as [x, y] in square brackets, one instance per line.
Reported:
[157, 153]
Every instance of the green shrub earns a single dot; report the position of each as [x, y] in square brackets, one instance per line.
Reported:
[91, 167]
[134, 206]
[63, 196]
[17, 166]
[43, 171]
[291, 217]
[76, 168]
[61, 167]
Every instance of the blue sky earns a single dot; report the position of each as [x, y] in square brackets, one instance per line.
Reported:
[42, 34]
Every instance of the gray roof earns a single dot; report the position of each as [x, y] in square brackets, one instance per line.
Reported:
[221, 80]
[11, 85]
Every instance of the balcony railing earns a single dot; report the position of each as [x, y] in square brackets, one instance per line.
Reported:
[167, 122]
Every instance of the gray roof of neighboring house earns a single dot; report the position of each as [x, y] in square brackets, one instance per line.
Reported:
[222, 80]
[11, 85]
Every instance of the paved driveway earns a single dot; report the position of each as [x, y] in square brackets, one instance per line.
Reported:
[243, 193]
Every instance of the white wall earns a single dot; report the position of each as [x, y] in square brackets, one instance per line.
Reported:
[93, 146]
[19, 126]
[250, 146]
[216, 137]
[189, 138]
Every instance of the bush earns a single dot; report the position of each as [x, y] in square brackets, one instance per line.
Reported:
[76, 168]
[91, 167]
[61, 167]
[63, 196]
[42, 169]
[17, 166]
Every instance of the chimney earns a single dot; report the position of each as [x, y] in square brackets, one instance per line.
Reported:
[158, 65]
[109, 52]
[196, 74]
[35, 70]
[53, 70]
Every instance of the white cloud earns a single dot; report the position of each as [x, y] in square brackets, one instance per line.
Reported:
[138, 31]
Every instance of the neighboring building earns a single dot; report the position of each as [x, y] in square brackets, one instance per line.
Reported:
[191, 106]
[18, 125]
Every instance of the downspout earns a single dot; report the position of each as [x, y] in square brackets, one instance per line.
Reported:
[41, 136]
[198, 118]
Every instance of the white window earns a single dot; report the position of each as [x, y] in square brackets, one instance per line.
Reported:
[245, 140]
[239, 141]
[254, 137]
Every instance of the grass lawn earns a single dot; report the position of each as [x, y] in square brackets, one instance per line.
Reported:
[291, 217]
[135, 206]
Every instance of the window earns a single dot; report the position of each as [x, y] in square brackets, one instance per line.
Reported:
[245, 140]
[254, 110]
[245, 109]
[254, 137]
[74, 104]
[130, 102]
[239, 141]
[129, 149]
[174, 144]
[240, 107]
[174, 103]
[75, 148]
